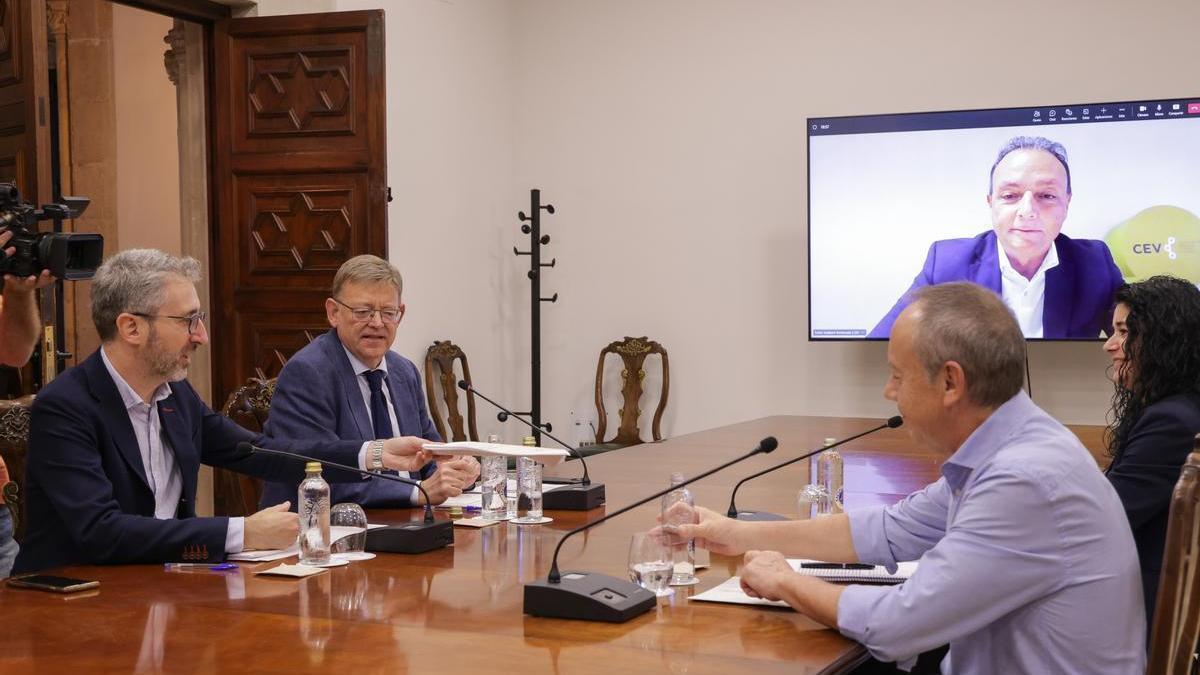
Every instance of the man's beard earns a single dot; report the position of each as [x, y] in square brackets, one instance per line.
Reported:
[162, 362]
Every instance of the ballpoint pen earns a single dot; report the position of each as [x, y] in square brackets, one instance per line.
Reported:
[835, 566]
[216, 567]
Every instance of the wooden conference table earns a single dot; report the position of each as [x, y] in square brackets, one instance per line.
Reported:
[459, 609]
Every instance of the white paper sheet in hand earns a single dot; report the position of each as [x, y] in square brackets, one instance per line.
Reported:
[547, 456]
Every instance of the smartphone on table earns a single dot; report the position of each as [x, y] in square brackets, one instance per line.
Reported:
[52, 583]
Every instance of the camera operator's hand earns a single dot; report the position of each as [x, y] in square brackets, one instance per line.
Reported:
[17, 284]
[27, 284]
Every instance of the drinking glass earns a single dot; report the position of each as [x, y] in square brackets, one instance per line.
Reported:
[650, 562]
[350, 515]
[529, 491]
[493, 487]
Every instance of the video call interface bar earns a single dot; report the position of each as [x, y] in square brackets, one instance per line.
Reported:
[1007, 117]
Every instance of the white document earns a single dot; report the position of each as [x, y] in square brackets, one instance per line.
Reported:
[730, 591]
[336, 532]
[547, 456]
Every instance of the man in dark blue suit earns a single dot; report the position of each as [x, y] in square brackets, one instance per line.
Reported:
[1058, 287]
[117, 442]
[348, 385]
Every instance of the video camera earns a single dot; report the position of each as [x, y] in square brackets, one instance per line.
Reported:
[70, 256]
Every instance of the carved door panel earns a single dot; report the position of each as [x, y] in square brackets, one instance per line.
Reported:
[24, 128]
[299, 178]
[24, 89]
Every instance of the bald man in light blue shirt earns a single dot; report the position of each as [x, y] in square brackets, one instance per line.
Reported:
[1027, 563]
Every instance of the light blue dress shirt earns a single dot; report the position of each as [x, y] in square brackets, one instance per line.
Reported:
[1027, 563]
[158, 457]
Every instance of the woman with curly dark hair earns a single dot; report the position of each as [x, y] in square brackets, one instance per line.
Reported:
[1155, 416]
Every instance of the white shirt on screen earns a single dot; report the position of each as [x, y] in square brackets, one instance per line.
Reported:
[1026, 297]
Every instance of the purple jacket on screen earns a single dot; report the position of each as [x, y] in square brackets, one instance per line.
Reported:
[1079, 291]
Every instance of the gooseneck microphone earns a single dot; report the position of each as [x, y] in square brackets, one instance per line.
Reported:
[411, 537]
[579, 494]
[892, 423]
[599, 597]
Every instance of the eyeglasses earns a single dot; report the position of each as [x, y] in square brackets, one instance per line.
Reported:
[364, 314]
[193, 320]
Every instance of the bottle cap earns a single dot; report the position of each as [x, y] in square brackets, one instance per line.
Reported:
[493, 438]
[830, 441]
[312, 467]
[529, 441]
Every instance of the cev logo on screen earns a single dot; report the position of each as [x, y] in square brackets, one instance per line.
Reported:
[1159, 247]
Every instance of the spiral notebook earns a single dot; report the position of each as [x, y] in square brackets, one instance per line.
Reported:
[853, 573]
[730, 591]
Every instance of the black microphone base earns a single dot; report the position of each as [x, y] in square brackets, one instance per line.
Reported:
[574, 497]
[413, 537]
[759, 516]
[587, 596]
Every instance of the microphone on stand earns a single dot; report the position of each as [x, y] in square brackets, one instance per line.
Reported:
[599, 597]
[411, 537]
[579, 494]
[892, 423]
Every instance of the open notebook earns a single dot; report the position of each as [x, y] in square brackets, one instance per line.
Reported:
[730, 591]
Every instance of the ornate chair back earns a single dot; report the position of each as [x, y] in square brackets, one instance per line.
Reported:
[1176, 626]
[633, 353]
[236, 494]
[441, 356]
[14, 448]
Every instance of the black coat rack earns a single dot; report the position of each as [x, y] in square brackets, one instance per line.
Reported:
[533, 227]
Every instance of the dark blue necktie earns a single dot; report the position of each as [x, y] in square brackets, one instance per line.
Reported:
[380, 418]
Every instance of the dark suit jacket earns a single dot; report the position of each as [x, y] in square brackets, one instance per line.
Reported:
[318, 397]
[87, 498]
[1144, 473]
[1079, 291]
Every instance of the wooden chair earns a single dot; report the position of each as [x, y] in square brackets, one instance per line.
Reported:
[14, 448]
[442, 354]
[236, 494]
[633, 353]
[1176, 627]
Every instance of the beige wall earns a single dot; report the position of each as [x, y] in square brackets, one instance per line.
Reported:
[669, 135]
[147, 137]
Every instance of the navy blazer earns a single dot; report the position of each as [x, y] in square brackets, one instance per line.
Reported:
[1144, 473]
[318, 397]
[86, 493]
[1079, 291]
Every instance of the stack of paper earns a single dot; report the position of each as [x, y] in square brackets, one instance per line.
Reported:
[547, 456]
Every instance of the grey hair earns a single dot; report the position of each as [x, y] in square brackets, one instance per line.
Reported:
[135, 281]
[971, 325]
[1032, 143]
[367, 269]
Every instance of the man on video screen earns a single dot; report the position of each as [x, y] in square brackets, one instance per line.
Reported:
[1057, 286]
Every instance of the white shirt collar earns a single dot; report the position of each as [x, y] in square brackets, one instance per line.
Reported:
[1008, 271]
[358, 366]
[128, 396]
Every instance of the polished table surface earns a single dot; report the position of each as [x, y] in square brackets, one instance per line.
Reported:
[459, 608]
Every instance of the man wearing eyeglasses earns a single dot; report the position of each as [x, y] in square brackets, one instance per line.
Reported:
[349, 385]
[117, 441]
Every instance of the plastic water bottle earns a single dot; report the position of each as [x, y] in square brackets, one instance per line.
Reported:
[830, 477]
[313, 501]
[493, 485]
[683, 556]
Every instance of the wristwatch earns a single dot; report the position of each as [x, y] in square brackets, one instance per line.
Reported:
[375, 455]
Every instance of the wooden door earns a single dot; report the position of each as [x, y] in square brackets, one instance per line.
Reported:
[299, 179]
[25, 132]
[24, 104]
